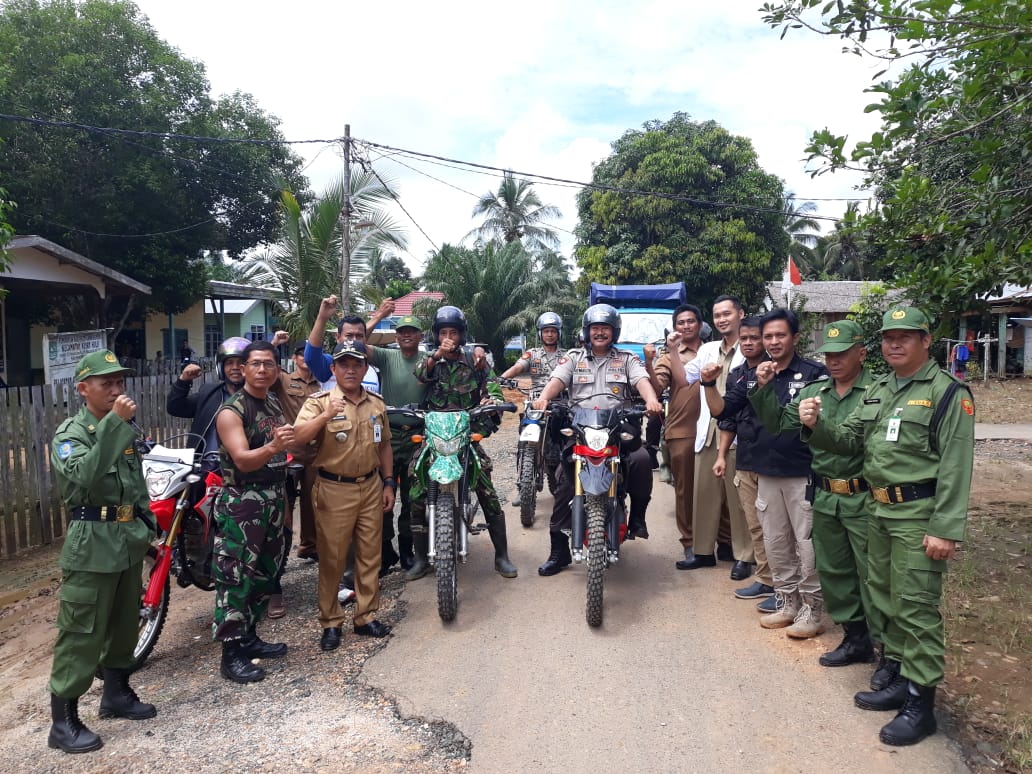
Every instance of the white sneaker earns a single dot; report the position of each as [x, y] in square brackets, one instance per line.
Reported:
[345, 595]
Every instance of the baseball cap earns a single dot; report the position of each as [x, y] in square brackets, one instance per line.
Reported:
[99, 363]
[905, 318]
[299, 348]
[841, 335]
[408, 321]
[350, 348]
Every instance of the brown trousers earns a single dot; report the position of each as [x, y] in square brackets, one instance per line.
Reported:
[682, 469]
[716, 499]
[748, 483]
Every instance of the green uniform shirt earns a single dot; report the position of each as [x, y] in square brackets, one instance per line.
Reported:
[398, 385]
[95, 463]
[913, 457]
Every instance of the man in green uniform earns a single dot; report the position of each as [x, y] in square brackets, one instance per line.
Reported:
[916, 429]
[840, 502]
[100, 478]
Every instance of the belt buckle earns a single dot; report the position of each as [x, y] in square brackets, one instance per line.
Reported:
[881, 494]
[124, 513]
[839, 486]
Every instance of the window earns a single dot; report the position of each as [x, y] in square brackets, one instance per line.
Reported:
[257, 333]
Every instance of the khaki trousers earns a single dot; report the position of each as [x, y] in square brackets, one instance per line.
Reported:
[346, 514]
[787, 521]
[748, 483]
[716, 499]
[682, 469]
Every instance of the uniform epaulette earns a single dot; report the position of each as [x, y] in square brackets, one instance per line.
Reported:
[320, 394]
[819, 379]
[64, 425]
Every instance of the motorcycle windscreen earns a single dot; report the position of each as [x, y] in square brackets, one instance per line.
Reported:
[595, 417]
[447, 434]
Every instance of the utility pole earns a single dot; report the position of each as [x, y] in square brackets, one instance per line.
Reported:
[345, 214]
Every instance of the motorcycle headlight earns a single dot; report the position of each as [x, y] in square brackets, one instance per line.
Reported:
[448, 446]
[157, 480]
[595, 438]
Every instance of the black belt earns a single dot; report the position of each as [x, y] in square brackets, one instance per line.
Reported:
[105, 512]
[347, 479]
[902, 493]
[842, 486]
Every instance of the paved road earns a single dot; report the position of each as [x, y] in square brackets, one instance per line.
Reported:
[984, 431]
[680, 677]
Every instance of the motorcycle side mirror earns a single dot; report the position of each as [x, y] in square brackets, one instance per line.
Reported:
[193, 478]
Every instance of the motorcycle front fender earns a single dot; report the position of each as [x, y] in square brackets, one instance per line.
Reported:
[531, 433]
[596, 479]
[445, 469]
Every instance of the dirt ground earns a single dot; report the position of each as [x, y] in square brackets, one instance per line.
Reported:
[989, 618]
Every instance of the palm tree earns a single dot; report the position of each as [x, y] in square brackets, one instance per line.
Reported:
[841, 254]
[306, 265]
[515, 213]
[804, 232]
[495, 285]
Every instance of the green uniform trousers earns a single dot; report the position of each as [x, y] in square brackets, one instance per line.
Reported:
[840, 526]
[906, 588]
[98, 624]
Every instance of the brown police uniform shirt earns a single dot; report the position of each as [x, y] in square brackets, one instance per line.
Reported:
[683, 409]
[611, 377]
[293, 390]
[364, 425]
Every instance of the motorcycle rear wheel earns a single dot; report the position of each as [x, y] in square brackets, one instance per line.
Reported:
[150, 628]
[526, 484]
[445, 568]
[596, 518]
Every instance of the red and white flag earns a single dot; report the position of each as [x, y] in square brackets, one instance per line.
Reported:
[791, 276]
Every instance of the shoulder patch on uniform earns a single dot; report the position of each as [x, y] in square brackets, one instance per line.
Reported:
[527, 355]
[563, 360]
[64, 450]
[969, 406]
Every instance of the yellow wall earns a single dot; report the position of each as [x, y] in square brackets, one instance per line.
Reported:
[192, 320]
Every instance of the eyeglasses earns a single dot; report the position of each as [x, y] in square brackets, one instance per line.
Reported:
[262, 365]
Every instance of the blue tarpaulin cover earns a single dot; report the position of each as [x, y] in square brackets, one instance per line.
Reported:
[660, 296]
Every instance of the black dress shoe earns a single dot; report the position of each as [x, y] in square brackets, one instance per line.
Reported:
[700, 560]
[373, 629]
[725, 552]
[741, 570]
[330, 638]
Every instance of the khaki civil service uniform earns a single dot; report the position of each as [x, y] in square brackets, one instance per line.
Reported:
[293, 390]
[348, 499]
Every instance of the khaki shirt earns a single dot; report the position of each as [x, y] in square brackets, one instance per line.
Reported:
[293, 390]
[611, 378]
[363, 426]
[683, 409]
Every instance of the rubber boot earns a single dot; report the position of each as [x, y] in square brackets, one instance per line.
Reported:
[66, 731]
[892, 697]
[121, 701]
[496, 529]
[559, 556]
[855, 648]
[405, 550]
[236, 666]
[420, 564]
[253, 646]
[915, 721]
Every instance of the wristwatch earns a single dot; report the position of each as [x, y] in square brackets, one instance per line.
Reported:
[389, 481]
[708, 384]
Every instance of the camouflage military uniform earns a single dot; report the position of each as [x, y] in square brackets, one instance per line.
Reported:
[249, 515]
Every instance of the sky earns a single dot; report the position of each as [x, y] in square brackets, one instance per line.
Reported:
[537, 87]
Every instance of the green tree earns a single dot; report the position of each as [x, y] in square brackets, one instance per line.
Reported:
[495, 285]
[147, 205]
[515, 212]
[802, 229]
[383, 273]
[305, 264]
[716, 222]
[950, 163]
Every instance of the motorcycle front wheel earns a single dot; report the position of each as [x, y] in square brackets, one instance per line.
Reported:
[445, 553]
[527, 485]
[596, 518]
[150, 626]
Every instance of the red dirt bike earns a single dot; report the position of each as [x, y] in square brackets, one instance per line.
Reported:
[187, 532]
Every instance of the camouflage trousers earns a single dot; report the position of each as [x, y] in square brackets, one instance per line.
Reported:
[486, 493]
[249, 547]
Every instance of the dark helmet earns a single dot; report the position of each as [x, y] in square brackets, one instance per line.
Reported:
[450, 317]
[234, 346]
[550, 320]
[600, 314]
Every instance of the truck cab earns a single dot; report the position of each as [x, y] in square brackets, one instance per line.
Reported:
[645, 311]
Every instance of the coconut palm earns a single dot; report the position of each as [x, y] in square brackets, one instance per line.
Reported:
[306, 264]
[515, 213]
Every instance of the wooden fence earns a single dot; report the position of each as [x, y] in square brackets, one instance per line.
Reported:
[31, 512]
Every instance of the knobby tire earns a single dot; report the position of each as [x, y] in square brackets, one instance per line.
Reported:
[444, 562]
[527, 485]
[596, 519]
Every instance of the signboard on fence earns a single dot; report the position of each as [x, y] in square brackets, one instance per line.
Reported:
[61, 351]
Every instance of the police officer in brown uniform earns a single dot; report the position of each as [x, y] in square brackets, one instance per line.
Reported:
[355, 485]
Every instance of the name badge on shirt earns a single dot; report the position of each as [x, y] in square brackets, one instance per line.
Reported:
[377, 432]
[892, 433]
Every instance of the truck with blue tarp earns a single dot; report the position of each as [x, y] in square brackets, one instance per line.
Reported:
[645, 310]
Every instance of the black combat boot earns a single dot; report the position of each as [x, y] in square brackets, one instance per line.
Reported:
[886, 671]
[121, 701]
[253, 646]
[388, 557]
[420, 564]
[636, 521]
[915, 721]
[405, 550]
[891, 697]
[236, 666]
[496, 529]
[855, 648]
[559, 557]
[67, 732]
